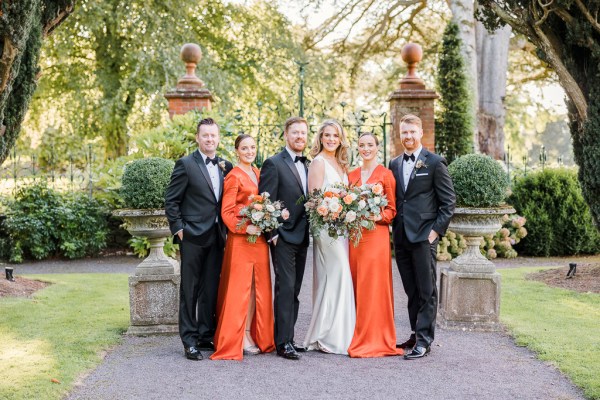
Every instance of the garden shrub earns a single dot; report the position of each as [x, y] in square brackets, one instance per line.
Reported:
[558, 218]
[144, 182]
[479, 181]
[499, 245]
[41, 223]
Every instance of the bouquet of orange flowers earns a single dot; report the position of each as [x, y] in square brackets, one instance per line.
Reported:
[263, 213]
[334, 209]
[369, 204]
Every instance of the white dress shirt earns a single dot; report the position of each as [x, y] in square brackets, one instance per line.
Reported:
[213, 172]
[300, 167]
[408, 166]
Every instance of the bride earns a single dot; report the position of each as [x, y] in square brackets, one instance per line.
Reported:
[333, 310]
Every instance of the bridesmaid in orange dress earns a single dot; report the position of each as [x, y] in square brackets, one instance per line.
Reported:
[245, 307]
[371, 264]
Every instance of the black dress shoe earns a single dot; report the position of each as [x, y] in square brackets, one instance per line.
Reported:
[287, 351]
[206, 346]
[417, 352]
[192, 353]
[299, 349]
[409, 344]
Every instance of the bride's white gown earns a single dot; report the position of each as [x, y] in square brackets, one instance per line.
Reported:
[333, 309]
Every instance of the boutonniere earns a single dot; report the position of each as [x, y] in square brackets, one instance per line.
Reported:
[222, 165]
[420, 164]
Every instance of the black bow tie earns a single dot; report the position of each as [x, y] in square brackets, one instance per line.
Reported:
[407, 157]
[211, 160]
[302, 159]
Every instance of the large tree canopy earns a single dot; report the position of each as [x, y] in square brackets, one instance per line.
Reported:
[107, 69]
[567, 37]
[23, 25]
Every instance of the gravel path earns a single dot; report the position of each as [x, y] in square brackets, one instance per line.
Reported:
[462, 365]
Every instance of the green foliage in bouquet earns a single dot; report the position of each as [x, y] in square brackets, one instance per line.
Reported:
[558, 218]
[479, 181]
[145, 181]
[41, 223]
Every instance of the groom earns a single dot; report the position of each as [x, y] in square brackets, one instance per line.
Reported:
[193, 208]
[425, 203]
[284, 176]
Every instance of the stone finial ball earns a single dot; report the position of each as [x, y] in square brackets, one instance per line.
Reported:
[412, 53]
[191, 53]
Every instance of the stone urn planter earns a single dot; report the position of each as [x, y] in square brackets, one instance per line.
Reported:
[470, 287]
[154, 288]
[153, 225]
[469, 297]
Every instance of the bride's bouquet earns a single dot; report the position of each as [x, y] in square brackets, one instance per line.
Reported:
[262, 213]
[336, 209]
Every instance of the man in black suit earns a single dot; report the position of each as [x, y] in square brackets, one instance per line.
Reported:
[193, 208]
[425, 202]
[284, 176]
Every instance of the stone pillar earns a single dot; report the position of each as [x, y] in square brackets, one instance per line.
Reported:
[190, 93]
[412, 97]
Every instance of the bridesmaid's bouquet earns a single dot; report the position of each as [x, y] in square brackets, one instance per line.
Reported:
[262, 213]
[371, 201]
[336, 210]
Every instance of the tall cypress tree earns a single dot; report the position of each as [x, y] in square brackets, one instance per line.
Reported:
[454, 122]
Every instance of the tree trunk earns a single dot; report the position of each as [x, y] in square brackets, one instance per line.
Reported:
[22, 27]
[492, 55]
[463, 15]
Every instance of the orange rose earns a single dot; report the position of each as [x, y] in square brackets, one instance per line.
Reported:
[322, 210]
[258, 197]
[328, 194]
[348, 199]
[377, 189]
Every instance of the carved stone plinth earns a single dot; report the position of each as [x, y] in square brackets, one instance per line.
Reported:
[470, 287]
[154, 304]
[154, 289]
[469, 300]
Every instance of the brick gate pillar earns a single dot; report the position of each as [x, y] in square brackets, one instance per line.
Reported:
[412, 97]
[190, 93]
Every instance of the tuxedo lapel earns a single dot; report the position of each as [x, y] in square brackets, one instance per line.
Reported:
[221, 175]
[202, 165]
[290, 163]
[400, 161]
[422, 156]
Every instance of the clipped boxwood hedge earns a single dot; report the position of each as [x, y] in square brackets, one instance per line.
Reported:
[144, 182]
[559, 221]
[479, 181]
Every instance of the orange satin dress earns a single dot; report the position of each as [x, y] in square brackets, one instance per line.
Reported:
[371, 268]
[242, 259]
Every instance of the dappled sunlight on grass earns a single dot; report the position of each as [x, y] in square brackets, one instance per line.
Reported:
[23, 361]
[560, 325]
[59, 333]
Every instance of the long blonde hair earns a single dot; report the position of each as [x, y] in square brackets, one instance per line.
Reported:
[341, 153]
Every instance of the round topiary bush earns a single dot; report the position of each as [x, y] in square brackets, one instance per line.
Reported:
[479, 181]
[144, 182]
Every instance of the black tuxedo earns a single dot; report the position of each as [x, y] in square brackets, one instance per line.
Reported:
[191, 205]
[280, 178]
[427, 204]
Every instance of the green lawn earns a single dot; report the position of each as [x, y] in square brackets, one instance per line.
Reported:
[59, 333]
[561, 326]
